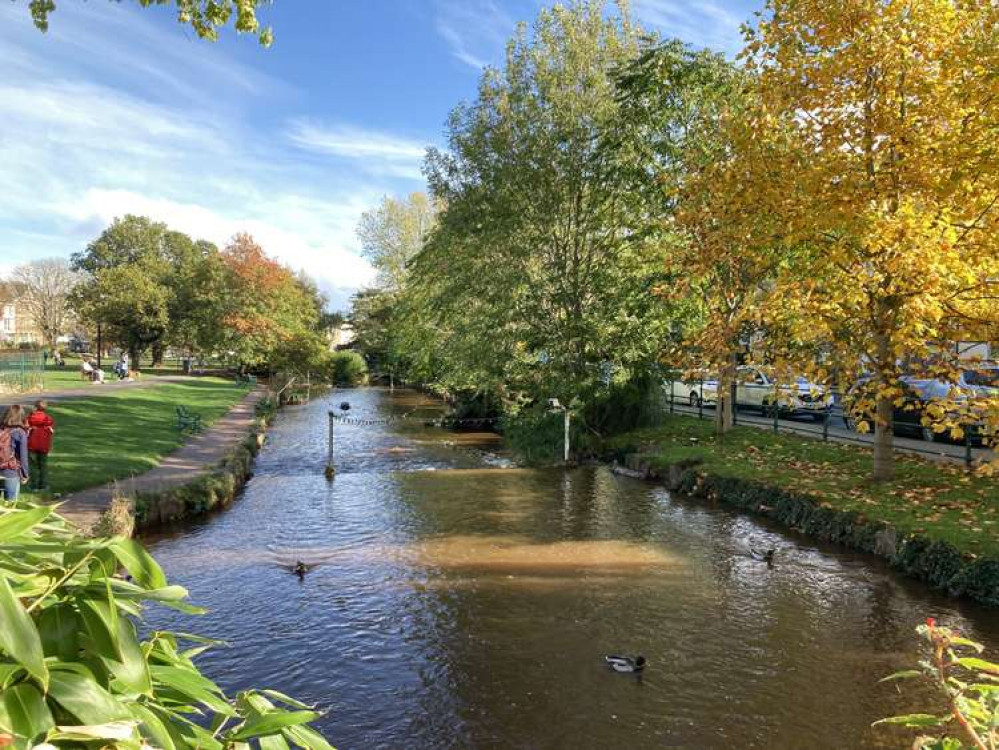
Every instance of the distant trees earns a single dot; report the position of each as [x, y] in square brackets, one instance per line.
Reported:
[393, 233]
[151, 287]
[43, 291]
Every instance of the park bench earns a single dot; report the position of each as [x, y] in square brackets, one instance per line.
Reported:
[248, 379]
[187, 420]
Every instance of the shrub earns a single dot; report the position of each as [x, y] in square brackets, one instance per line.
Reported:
[73, 672]
[966, 683]
[347, 368]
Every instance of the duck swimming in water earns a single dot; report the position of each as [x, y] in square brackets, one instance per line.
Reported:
[626, 664]
[344, 406]
[766, 556]
[300, 569]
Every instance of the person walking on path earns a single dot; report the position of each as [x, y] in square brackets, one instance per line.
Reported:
[41, 428]
[13, 452]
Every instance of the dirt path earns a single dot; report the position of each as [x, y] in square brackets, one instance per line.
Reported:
[199, 454]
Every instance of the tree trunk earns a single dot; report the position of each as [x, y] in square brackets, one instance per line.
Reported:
[725, 404]
[158, 350]
[133, 357]
[884, 457]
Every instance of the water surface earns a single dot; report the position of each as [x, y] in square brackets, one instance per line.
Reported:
[458, 602]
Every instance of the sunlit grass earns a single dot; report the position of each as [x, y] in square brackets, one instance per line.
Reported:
[942, 501]
[102, 438]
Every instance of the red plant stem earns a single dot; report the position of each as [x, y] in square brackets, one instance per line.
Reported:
[938, 657]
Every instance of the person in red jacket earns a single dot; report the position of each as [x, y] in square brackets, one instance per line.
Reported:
[41, 428]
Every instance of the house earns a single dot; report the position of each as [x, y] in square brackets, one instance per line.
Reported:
[341, 336]
[16, 325]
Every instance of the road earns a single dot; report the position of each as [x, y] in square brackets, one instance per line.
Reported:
[837, 432]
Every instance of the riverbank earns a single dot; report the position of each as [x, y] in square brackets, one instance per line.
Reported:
[938, 523]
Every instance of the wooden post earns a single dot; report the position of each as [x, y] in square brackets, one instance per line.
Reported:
[330, 471]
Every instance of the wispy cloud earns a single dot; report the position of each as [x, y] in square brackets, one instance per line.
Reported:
[702, 23]
[380, 153]
[153, 127]
[476, 31]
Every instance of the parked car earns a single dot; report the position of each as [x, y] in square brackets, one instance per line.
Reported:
[700, 388]
[917, 395]
[755, 387]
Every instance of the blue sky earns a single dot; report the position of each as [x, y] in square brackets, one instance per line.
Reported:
[121, 110]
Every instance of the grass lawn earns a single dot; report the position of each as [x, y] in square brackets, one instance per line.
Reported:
[942, 501]
[116, 436]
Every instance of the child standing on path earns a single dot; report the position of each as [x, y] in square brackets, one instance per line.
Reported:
[41, 428]
[13, 453]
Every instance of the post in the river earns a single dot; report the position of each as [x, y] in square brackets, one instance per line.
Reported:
[330, 470]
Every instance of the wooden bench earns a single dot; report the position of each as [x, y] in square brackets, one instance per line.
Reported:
[187, 420]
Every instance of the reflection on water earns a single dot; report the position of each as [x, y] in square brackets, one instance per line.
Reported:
[455, 603]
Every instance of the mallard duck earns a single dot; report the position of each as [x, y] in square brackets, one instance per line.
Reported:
[344, 406]
[766, 556]
[627, 664]
[300, 569]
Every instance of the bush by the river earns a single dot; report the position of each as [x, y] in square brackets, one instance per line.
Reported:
[74, 672]
[347, 368]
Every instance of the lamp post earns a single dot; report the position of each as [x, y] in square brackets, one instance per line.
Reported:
[100, 345]
[555, 406]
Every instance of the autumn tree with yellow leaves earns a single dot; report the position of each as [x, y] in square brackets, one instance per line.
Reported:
[893, 181]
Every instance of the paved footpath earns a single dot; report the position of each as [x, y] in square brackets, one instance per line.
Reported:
[86, 390]
[199, 454]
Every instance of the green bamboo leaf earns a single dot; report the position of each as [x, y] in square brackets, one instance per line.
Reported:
[972, 662]
[193, 686]
[58, 627]
[915, 720]
[905, 674]
[139, 563]
[152, 727]
[259, 726]
[287, 699]
[18, 636]
[122, 731]
[308, 737]
[29, 716]
[13, 523]
[96, 625]
[7, 671]
[85, 699]
[273, 742]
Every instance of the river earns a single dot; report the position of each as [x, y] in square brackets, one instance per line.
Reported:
[458, 602]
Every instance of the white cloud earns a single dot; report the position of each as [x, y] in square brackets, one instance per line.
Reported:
[702, 23]
[154, 127]
[476, 31]
[377, 153]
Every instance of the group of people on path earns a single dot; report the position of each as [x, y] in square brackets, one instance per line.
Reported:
[25, 443]
[89, 371]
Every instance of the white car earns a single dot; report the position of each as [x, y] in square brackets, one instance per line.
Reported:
[756, 388]
[696, 390]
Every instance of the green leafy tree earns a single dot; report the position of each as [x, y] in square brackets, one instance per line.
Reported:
[394, 232]
[206, 17]
[531, 284]
[74, 671]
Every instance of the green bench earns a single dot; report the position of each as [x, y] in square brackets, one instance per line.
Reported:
[187, 420]
[248, 379]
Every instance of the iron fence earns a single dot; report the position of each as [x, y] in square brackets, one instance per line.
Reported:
[21, 371]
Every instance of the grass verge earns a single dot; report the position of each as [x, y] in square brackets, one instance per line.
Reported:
[108, 437]
[940, 501]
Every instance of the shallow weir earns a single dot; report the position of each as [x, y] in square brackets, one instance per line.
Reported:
[456, 602]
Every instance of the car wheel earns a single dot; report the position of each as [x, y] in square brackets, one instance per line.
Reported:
[695, 402]
[929, 435]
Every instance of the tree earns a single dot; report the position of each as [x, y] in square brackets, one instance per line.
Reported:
[127, 285]
[394, 232]
[266, 304]
[531, 283]
[892, 184]
[685, 144]
[45, 287]
[206, 17]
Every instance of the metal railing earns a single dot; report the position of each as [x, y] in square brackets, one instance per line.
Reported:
[829, 424]
[21, 371]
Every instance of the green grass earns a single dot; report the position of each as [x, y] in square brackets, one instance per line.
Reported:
[102, 438]
[942, 501]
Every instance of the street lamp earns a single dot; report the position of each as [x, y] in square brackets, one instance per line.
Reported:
[555, 406]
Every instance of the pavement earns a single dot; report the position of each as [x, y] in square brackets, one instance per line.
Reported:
[201, 453]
